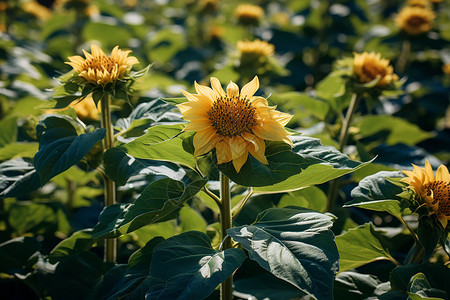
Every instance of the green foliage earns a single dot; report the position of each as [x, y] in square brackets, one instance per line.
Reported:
[189, 267]
[360, 246]
[295, 245]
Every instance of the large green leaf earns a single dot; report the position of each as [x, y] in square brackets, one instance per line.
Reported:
[18, 150]
[79, 241]
[294, 244]
[376, 192]
[16, 254]
[405, 278]
[430, 233]
[163, 142]
[311, 197]
[354, 286]
[160, 201]
[360, 246]
[420, 288]
[120, 166]
[307, 163]
[393, 130]
[75, 276]
[130, 281]
[18, 177]
[60, 147]
[190, 268]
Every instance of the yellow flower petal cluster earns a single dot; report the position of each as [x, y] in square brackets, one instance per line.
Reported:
[249, 14]
[86, 109]
[415, 20]
[434, 192]
[256, 48]
[100, 69]
[234, 122]
[369, 66]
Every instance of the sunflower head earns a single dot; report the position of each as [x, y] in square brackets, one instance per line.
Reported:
[100, 69]
[249, 14]
[415, 20]
[370, 66]
[234, 122]
[432, 191]
[255, 50]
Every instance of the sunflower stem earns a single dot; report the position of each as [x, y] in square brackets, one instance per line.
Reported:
[226, 288]
[237, 209]
[110, 187]
[343, 138]
[404, 56]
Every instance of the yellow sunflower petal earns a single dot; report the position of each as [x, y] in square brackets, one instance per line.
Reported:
[201, 138]
[240, 161]
[205, 91]
[256, 147]
[443, 220]
[429, 171]
[272, 131]
[250, 88]
[232, 90]
[442, 174]
[198, 125]
[237, 146]
[215, 84]
[223, 151]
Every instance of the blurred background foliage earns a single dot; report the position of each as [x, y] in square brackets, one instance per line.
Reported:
[187, 41]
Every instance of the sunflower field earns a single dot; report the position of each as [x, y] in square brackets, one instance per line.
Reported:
[207, 149]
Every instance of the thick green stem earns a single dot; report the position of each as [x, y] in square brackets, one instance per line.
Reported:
[110, 187]
[226, 288]
[343, 138]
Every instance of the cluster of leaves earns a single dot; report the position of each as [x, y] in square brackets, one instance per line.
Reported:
[52, 222]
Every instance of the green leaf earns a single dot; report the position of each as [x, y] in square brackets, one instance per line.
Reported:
[120, 167]
[294, 244]
[74, 277]
[160, 201]
[376, 192]
[109, 35]
[190, 268]
[302, 103]
[164, 142]
[393, 129]
[429, 233]
[18, 177]
[17, 254]
[354, 286]
[307, 163]
[311, 197]
[8, 134]
[60, 147]
[14, 150]
[420, 288]
[130, 281]
[403, 277]
[79, 241]
[360, 246]
[37, 218]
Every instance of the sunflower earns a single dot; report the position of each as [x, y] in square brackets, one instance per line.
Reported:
[100, 69]
[415, 20]
[446, 68]
[369, 66]
[234, 123]
[249, 14]
[256, 48]
[434, 192]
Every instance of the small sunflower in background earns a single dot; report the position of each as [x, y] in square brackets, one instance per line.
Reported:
[249, 14]
[415, 20]
[255, 50]
[430, 190]
[234, 122]
[369, 66]
[100, 69]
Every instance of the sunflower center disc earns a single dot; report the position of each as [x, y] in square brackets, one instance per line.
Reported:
[231, 116]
